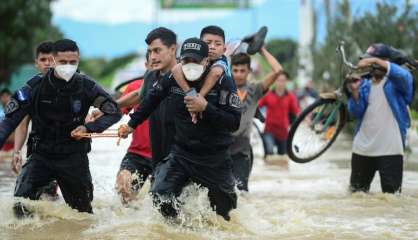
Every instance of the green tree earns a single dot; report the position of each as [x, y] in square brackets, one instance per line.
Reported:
[23, 25]
[395, 25]
[285, 51]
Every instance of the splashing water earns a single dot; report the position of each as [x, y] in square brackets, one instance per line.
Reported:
[308, 201]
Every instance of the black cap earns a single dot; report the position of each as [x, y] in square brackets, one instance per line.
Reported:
[194, 48]
[378, 50]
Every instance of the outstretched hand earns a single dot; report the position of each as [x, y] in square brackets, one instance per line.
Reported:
[124, 130]
[78, 132]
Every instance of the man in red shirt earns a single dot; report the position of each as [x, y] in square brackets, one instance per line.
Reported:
[136, 165]
[280, 105]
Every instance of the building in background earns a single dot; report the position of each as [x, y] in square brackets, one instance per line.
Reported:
[306, 34]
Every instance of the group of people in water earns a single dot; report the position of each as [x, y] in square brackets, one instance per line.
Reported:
[190, 120]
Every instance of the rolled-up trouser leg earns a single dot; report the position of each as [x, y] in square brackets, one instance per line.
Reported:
[169, 179]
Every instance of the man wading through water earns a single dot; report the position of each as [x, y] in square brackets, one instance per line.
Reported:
[58, 103]
[200, 150]
[379, 103]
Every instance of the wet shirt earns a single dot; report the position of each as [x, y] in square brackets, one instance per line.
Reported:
[379, 133]
[161, 120]
[249, 95]
[279, 108]
[206, 142]
[140, 143]
[57, 107]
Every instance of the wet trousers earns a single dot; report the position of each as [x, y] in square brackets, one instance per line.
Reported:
[175, 172]
[71, 172]
[363, 169]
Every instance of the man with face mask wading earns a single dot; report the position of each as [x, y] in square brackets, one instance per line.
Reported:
[199, 152]
[58, 103]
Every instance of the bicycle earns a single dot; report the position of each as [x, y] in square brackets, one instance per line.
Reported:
[319, 125]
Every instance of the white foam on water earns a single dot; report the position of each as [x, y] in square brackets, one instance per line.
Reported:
[308, 201]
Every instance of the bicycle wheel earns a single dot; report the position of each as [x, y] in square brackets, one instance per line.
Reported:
[315, 129]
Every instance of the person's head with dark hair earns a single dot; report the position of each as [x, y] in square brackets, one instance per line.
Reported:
[377, 50]
[194, 58]
[240, 68]
[281, 82]
[65, 45]
[214, 30]
[5, 95]
[162, 43]
[43, 56]
[147, 62]
[214, 36]
[66, 58]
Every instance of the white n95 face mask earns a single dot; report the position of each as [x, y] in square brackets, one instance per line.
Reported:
[66, 71]
[192, 71]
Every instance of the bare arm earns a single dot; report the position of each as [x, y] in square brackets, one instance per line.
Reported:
[213, 76]
[21, 133]
[129, 99]
[276, 68]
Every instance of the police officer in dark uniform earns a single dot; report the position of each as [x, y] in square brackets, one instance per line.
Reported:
[199, 152]
[58, 103]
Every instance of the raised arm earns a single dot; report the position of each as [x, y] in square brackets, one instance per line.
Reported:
[276, 68]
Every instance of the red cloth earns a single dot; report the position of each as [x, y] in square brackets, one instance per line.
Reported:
[7, 147]
[278, 110]
[140, 143]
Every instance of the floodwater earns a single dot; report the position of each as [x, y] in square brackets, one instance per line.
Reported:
[308, 201]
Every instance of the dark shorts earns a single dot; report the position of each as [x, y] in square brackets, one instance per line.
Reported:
[139, 166]
[71, 172]
[363, 169]
[175, 172]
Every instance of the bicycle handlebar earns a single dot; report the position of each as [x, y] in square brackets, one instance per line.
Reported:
[351, 66]
[341, 50]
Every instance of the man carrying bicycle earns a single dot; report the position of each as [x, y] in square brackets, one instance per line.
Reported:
[379, 104]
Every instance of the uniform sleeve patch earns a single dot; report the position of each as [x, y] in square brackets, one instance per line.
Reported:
[109, 107]
[22, 95]
[223, 97]
[234, 100]
[12, 106]
[98, 101]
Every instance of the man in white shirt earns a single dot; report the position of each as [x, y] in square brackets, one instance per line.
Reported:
[379, 103]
